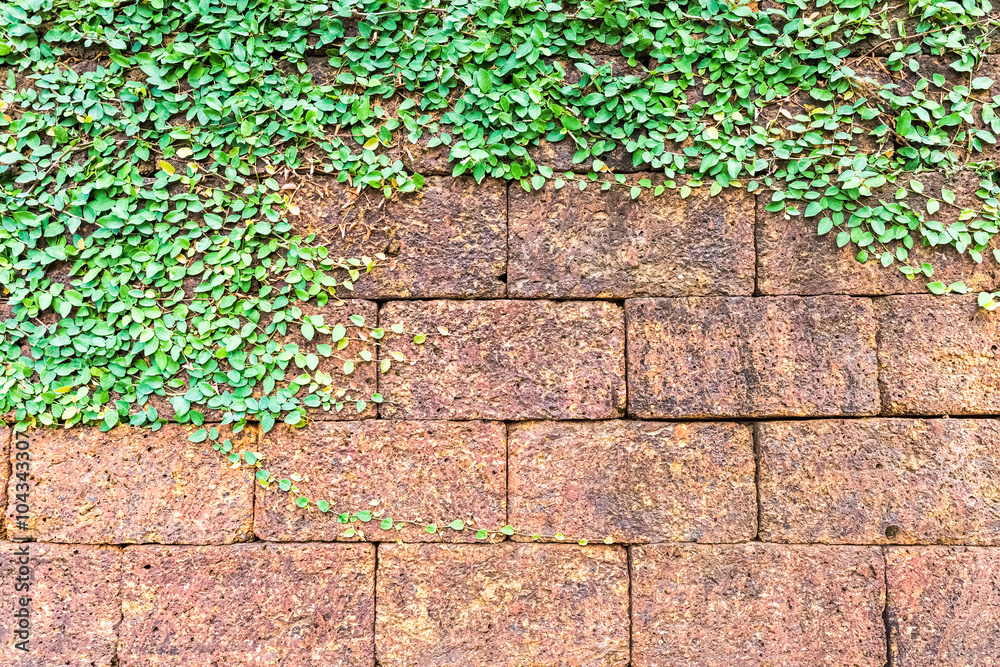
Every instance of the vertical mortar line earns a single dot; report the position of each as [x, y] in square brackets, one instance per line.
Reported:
[115, 660]
[506, 471]
[879, 387]
[755, 441]
[259, 435]
[756, 250]
[885, 608]
[625, 352]
[378, 547]
[628, 564]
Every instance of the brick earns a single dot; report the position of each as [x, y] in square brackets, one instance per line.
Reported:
[132, 485]
[633, 481]
[503, 605]
[361, 383]
[943, 606]
[248, 604]
[74, 607]
[937, 355]
[434, 471]
[448, 240]
[880, 481]
[594, 243]
[506, 360]
[757, 604]
[793, 259]
[751, 357]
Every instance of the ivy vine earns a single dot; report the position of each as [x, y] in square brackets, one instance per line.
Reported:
[148, 249]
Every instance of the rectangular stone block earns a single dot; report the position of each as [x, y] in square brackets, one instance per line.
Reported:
[130, 485]
[603, 243]
[880, 481]
[751, 357]
[943, 606]
[938, 355]
[793, 259]
[633, 481]
[503, 605]
[757, 604]
[361, 383]
[448, 240]
[432, 471]
[72, 594]
[505, 360]
[247, 605]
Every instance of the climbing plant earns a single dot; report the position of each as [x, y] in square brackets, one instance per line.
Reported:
[150, 259]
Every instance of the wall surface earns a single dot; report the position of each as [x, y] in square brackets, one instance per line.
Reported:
[795, 457]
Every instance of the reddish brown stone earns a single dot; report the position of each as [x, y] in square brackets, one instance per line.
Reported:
[132, 485]
[247, 605]
[74, 606]
[505, 360]
[793, 259]
[447, 240]
[753, 357]
[879, 481]
[633, 481]
[938, 355]
[943, 606]
[503, 605]
[433, 471]
[360, 384]
[757, 604]
[603, 243]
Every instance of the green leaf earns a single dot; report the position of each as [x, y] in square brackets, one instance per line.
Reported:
[937, 287]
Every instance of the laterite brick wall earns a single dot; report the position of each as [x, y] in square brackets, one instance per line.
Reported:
[794, 455]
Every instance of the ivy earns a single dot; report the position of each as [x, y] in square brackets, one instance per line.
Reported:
[148, 249]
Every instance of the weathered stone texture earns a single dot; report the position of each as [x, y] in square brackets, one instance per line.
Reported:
[594, 243]
[132, 485]
[74, 607]
[633, 481]
[938, 355]
[433, 471]
[505, 360]
[361, 383]
[793, 259]
[757, 604]
[447, 240]
[248, 604]
[751, 357]
[944, 603]
[504, 605]
[879, 481]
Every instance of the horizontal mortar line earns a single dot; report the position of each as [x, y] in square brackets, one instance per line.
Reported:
[623, 299]
[544, 543]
